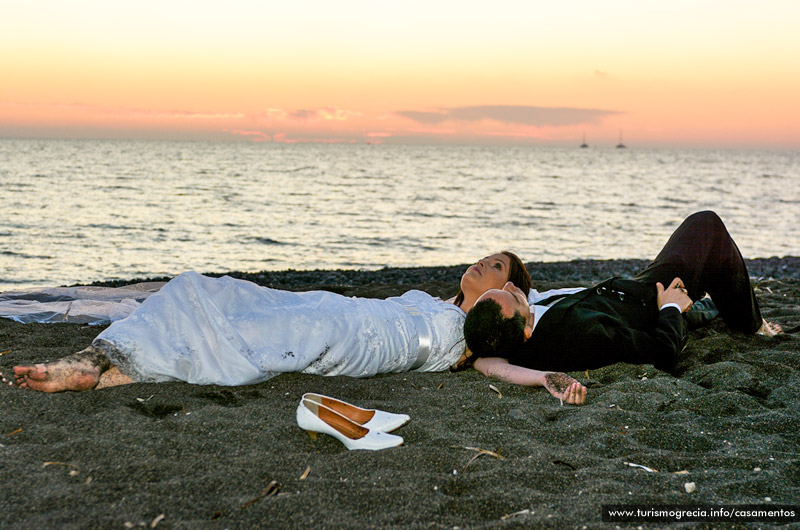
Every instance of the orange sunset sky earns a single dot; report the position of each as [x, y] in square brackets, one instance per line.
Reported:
[679, 73]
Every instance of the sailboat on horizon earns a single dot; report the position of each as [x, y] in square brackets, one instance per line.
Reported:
[620, 145]
[584, 144]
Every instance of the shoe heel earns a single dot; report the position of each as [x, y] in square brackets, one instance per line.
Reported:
[312, 435]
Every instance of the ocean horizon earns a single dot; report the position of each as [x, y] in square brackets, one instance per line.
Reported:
[77, 211]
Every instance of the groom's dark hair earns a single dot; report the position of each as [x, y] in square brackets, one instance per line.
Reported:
[489, 333]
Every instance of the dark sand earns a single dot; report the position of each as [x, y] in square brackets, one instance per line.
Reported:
[181, 456]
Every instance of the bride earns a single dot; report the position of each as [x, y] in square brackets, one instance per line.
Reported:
[233, 332]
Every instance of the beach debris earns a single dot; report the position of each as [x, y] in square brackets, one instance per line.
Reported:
[480, 452]
[640, 466]
[690, 487]
[499, 394]
[517, 514]
[756, 469]
[15, 431]
[141, 400]
[157, 520]
[587, 374]
[305, 473]
[74, 472]
[272, 489]
[681, 472]
[5, 352]
[767, 499]
[46, 464]
[441, 385]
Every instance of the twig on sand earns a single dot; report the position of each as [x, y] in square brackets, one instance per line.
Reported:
[5, 352]
[72, 472]
[517, 514]
[60, 464]
[271, 489]
[648, 469]
[480, 452]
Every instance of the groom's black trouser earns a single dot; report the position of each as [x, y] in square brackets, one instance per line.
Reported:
[619, 320]
[702, 253]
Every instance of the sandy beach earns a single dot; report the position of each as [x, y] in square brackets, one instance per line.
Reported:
[182, 456]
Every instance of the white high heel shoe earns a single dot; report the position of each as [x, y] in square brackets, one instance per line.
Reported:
[372, 419]
[317, 418]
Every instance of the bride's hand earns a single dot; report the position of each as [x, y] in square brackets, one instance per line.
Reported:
[565, 388]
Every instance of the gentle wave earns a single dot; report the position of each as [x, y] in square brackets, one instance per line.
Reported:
[79, 211]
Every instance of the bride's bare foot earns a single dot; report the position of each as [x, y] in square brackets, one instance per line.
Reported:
[565, 388]
[56, 376]
[80, 371]
[769, 329]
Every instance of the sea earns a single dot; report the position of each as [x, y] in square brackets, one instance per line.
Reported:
[77, 211]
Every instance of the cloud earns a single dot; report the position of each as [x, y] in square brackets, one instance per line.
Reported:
[308, 115]
[514, 114]
[129, 112]
[424, 117]
[333, 113]
[303, 114]
[256, 136]
[272, 113]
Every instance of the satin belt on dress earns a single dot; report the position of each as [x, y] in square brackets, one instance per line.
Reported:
[424, 334]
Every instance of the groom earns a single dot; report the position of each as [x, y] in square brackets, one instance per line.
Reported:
[636, 321]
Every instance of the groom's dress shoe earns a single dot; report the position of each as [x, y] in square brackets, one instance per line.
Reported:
[372, 419]
[317, 418]
[701, 313]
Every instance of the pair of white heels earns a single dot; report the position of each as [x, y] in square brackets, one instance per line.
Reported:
[355, 427]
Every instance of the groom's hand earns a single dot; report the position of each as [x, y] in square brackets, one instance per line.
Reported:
[674, 294]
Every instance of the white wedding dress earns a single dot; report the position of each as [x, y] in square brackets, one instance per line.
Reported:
[226, 331]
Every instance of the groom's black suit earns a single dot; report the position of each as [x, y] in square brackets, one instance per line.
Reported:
[618, 320]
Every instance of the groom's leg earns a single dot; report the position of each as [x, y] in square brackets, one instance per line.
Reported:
[702, 253]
